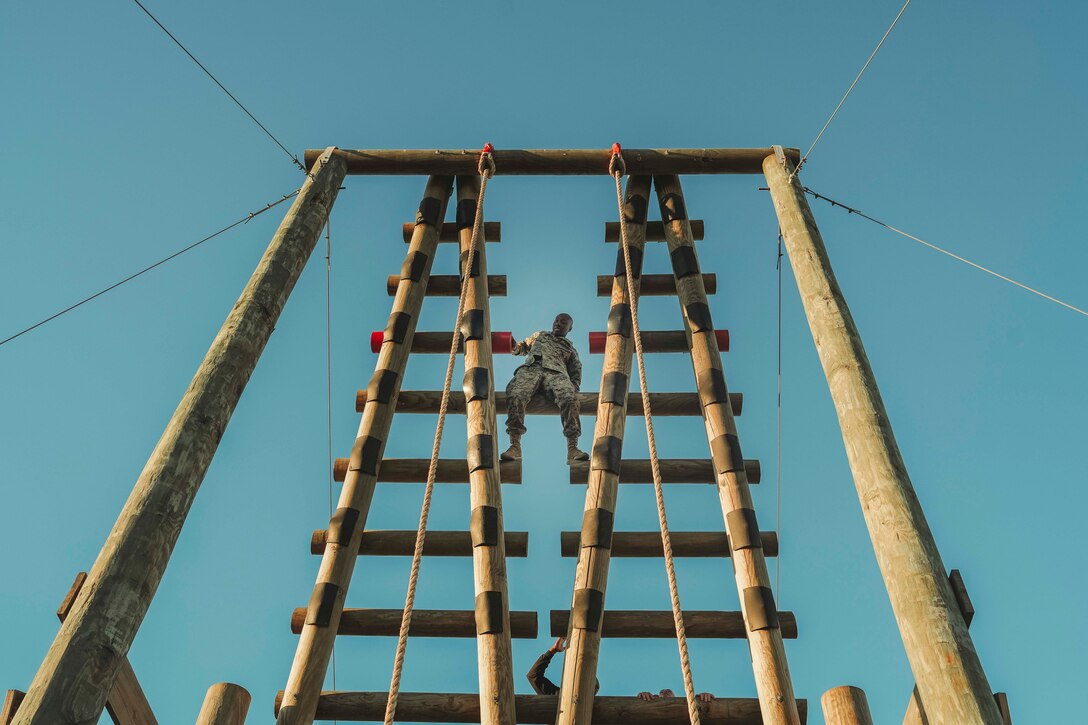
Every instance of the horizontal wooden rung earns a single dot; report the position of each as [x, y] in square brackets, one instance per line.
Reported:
[414, 470]
[657, 341]
[457, 707]
[648, 543]
[437, 543]
[673, 470]
[448, 233]
[699, 624]
[651, 285]
[449, 285]
[655, 231]
[440, 342]
[663, 404]
[425, 623]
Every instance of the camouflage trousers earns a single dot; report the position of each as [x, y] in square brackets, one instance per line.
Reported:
[557, 388]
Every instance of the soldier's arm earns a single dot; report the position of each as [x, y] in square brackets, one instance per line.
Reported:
[522, 348]
[574, 369]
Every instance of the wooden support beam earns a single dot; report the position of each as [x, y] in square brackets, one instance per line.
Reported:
[437, 543]
[12, 700]
[846, 705]
[338, 561]
[449, 232]
[492, 620]
[425, 623]
[534, 709]
[684, 543]
[653, 285]
[772, 673]
[579, 683]
[80, 667]
[663, 404]
[655, 231]
[225, 704]
[641, 624]
[661, 341]
[449, 285]
[942, 657]
[414, 470]
[438, 343]
[673, 470]
[547, 162]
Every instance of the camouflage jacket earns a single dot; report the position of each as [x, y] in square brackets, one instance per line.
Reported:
[553, 353]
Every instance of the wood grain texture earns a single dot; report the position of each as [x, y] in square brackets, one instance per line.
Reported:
[684, 543]
[338, 561]
[663, 404]
[673, 470]
[449, 232]
[942, 656]
[77, 674]
[437, 543]
[12, 700]
[225, 704]
[449, 285]
[425, 623]
[390, 162]
[536, 709]
[654, 285]
[414, 470]
[846, 705]
[655, 231]
[641, 624]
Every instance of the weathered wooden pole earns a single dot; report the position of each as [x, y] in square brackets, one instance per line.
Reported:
[225, 704]
[79, 669]
[591, 577]
[769, 665]
[494, 655]
[846, 705]
[946, 666]
[346, 526]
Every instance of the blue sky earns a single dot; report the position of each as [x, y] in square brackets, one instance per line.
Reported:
[119, 151]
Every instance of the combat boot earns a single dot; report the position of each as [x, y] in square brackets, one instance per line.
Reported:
[513, 453]
[574, 454]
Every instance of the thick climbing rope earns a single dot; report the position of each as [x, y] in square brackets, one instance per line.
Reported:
[617, 169]
[487, 169]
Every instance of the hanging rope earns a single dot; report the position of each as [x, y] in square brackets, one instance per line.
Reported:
[778, 446]
[487, 170]
[617, 169]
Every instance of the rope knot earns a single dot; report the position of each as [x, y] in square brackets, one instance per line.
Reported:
[616, 164]
[486, 167]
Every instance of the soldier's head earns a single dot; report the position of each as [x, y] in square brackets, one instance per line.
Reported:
[563, 324]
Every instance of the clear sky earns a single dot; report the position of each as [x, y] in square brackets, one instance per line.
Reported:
[119, 151]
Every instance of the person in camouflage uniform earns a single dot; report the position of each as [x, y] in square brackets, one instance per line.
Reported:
[552, 365]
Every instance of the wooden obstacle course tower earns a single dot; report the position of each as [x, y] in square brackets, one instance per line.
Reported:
[104, 620]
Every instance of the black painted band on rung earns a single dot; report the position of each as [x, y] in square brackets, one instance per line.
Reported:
[597, 528]
[698, 314]
[725, 450]
[429, 209]
[711, 382]
[619, 320]
[382, 385]
[672, 207]
[489, 613]
[743, 531]
[484, 526]
[477, 385]
[475, 267]
[481, 452]
[322, 602]
[634, 209]
[413, 266]
[684, 262]
[466, 213]
[636, 262]
[586, 611]
[342, 526]
[365, 455]
[614, 388]
[397, 328]
[760, 609]
[472, 325]
[607, 454]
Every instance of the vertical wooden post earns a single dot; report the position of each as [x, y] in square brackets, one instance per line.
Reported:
[591, 577]
[12, 700]
[346, 527]
[944, 661]
[485, 485]
[225, 704]
[772, 673]
[846, 705]
[79, 669]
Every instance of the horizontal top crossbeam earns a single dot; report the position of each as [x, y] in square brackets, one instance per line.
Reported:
[544, 162]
